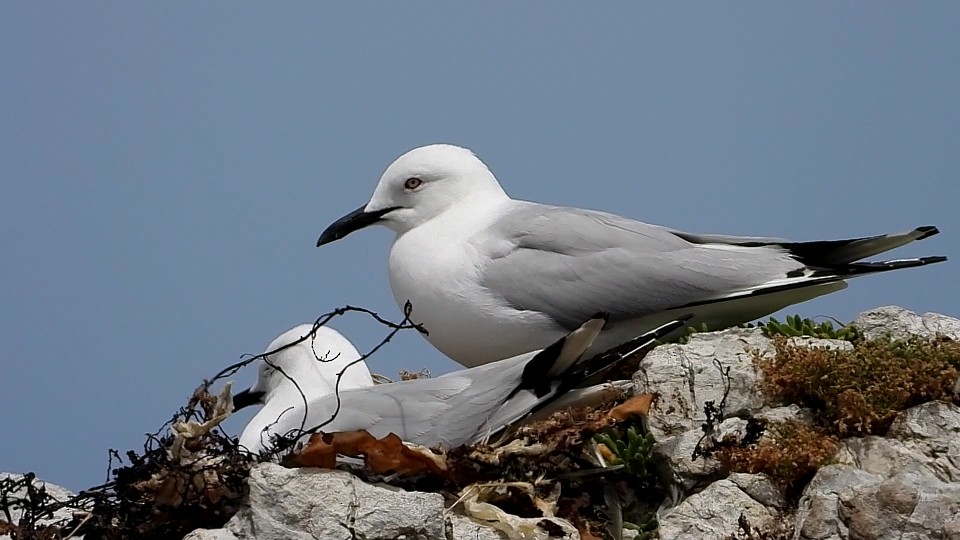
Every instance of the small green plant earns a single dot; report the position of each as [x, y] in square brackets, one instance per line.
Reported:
[646, 527]
[795, 327]
[634, 451]
[691, 330]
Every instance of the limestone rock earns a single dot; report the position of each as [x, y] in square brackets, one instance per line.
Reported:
[317, 503]
[782, 414]
[463, 527]
[686, 377]
[313, 503]
[55, 491]
[760, 488]
[210, 534]
[905, 485]
[812, 342]
[714, 513]
[899, 323]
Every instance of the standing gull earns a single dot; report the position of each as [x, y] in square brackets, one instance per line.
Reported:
[491, 277]
[456, 408]
[300, 365]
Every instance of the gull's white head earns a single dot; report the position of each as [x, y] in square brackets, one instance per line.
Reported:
[419, 186]
[313, 360]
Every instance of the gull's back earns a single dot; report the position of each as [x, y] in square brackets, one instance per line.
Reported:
[443, 411]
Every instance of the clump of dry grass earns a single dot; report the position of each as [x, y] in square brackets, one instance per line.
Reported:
[791, 452]
[859, 392]
[852, 393]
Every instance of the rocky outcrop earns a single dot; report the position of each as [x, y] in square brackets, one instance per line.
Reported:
[899, 323]
[904, 484]
[306, 504]
[716, 511]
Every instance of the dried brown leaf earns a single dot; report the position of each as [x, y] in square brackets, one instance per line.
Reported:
[385, 455]
[170, 491]
[317, 453]
[633, 407]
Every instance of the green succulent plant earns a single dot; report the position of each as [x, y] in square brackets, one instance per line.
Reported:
[691, 330]
[646, 528]
[795, 326]
[634, 450]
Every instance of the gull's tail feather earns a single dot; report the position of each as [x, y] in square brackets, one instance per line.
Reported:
[830, 253]
[864, 268]
[818, 281]
[822, 253]
[541, 386]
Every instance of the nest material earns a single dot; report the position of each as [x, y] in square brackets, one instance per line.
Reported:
[192, 476]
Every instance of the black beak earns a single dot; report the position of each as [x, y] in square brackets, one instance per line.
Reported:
[354, 221]
[246, 398]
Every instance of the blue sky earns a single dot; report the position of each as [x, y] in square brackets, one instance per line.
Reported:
[167, 167]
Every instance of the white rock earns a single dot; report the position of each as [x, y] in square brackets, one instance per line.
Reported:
[906, 506]
[210, 534]
[713, 513]
[899, 323]
[932, 430]
[820, 343]
[318, 503]
[923, 439]
[678, 455]
[903, 486]
[782, 414]
[315, 503]
[463, 527]
[818, 516]
[55, 491]
[760, 488]
[686, 377]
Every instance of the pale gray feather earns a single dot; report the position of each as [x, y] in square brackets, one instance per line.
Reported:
[570, 263]
[464, 406]
[446, 410]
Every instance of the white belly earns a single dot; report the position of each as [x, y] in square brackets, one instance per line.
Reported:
[465, 321]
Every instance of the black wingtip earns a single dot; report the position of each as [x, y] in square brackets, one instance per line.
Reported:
[601, 315]
[926, 231]
[670, 327]
[606, 360]
[933, 259]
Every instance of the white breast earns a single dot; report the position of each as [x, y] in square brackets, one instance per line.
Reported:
[437, 267]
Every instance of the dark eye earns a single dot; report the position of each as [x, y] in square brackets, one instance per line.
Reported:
[412, 183]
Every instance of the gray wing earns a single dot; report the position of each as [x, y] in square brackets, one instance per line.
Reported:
[570, 263]
[447, 410]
